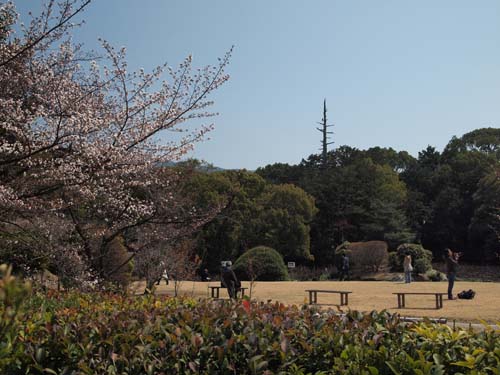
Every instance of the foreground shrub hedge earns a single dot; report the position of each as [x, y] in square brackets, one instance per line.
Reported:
[74, 333]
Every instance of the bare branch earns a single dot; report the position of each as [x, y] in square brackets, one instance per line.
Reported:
[44, 35]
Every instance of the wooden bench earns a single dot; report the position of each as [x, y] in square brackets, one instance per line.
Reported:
[215, 291]
[402, 301]
[313, 295]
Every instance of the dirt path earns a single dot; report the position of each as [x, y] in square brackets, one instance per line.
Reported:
[370, 295]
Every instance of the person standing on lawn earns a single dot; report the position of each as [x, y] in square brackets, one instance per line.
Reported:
[229, 279]
[344, 268]
[408, 268]
[451, 270]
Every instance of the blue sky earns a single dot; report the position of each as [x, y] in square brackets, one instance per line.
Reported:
[400, 74]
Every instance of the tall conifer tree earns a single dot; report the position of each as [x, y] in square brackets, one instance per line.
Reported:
[326, 137]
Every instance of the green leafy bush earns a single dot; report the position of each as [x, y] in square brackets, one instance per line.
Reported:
[435, 275]
[395, 264]
[13, 294]
[261, 263]
[421, 258]
[421, 266]
[324, 277]
[73, 333]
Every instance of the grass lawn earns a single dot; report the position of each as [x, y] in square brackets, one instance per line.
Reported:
[367, 296]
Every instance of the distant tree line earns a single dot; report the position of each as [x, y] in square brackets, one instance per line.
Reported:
[449, 199]
[305, 211]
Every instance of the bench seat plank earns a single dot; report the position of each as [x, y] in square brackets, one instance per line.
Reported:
[326, 291]
[429, 293]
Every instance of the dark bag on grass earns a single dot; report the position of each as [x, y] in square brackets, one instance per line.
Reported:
[466, 294]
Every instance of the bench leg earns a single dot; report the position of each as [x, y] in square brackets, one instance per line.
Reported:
[313, 297]
[439, 301]
[401, 300]
[344, 299]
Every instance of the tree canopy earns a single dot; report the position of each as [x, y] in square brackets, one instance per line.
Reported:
[259, 213]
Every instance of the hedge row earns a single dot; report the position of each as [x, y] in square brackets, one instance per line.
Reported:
[74, 333]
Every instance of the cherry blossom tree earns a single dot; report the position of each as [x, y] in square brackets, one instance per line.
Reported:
[82, 139]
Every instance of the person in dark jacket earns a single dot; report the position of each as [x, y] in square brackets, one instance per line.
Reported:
[229, 279]
[451, 270]
[204, 275]
[344, 268]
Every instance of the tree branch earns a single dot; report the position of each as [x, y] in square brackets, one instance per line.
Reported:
[44, 35]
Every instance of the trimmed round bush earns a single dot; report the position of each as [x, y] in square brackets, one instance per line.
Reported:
[421, 258]
[261, 263]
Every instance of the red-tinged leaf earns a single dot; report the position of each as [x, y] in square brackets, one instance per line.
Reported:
[246, 306]
[277, 320]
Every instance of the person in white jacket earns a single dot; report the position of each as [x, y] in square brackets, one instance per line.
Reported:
[408, 268]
